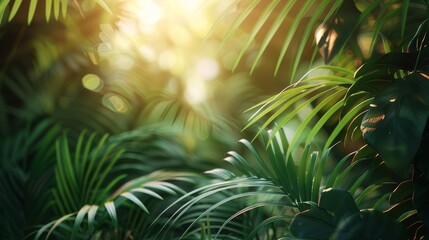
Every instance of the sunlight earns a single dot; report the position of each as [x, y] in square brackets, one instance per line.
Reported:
[166, 35]
[196, 93]
[208, 69]
[148, 12]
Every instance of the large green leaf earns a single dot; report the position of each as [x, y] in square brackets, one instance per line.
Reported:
[320, 222]
[339, 202]
[370, 224]
[338, 217]
[394, 124]
[313, 224]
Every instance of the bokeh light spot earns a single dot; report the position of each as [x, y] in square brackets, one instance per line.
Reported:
[149, 12]
[92, 82]
[115, 103]
[208, 69]
[124, 62]
[195, 93]
[148, 53]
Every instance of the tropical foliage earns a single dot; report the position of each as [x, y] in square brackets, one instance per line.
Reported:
[113, 122]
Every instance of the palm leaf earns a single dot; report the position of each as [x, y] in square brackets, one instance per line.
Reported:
[25, 181]
[407, 14]
[58, 6]
[325, 89]
[290, 186]
[87, 219]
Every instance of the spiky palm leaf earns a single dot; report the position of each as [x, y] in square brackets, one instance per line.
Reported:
[325, 92]
[25, 181]
[10, 9]
[91, 189]
[277, 189]
[268, 19]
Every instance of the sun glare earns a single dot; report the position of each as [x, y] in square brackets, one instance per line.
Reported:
[167, 35]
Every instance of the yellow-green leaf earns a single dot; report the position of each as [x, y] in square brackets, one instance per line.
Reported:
[31, 10]
[15, 9]
[48, 9]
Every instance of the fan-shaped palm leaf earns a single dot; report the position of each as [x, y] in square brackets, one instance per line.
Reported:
[327, 90]
[88, 184]
[278, 188]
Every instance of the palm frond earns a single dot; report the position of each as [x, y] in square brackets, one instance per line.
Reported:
[25, 181]
[92, 188]
[268, 19]
[117, 209]
[279, 184]
[325, 92]
[12, 8]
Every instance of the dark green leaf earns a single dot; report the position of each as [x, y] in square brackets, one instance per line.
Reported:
[338, 201]
[394, 124]
[419, 40]
[398, 209]
[314, 224]
[331, 36]
[402, 192]
[421, 198]
[370, 224]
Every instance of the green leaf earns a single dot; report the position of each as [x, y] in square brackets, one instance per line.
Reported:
[313, 224]
[292, 32]
[338, 201]
[134, 199]
[79, 218]
[111, 210]
[58, 223]
[258, 25]
[394, 124]
[64, 8]
[48, 9]
[420, 38]
[3, 6]
[91, 217]
[403, 191]
[57, 9]
[421, 197]
[251, 6]
[15, 9]
[281, 16]
[31, 11]
[331, 36]
[370, 224]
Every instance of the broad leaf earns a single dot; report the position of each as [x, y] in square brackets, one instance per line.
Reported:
[338, 201]
[370, 224]
[313, 224]
[394, 124]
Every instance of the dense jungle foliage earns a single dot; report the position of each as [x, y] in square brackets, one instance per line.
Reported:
[214, 119]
